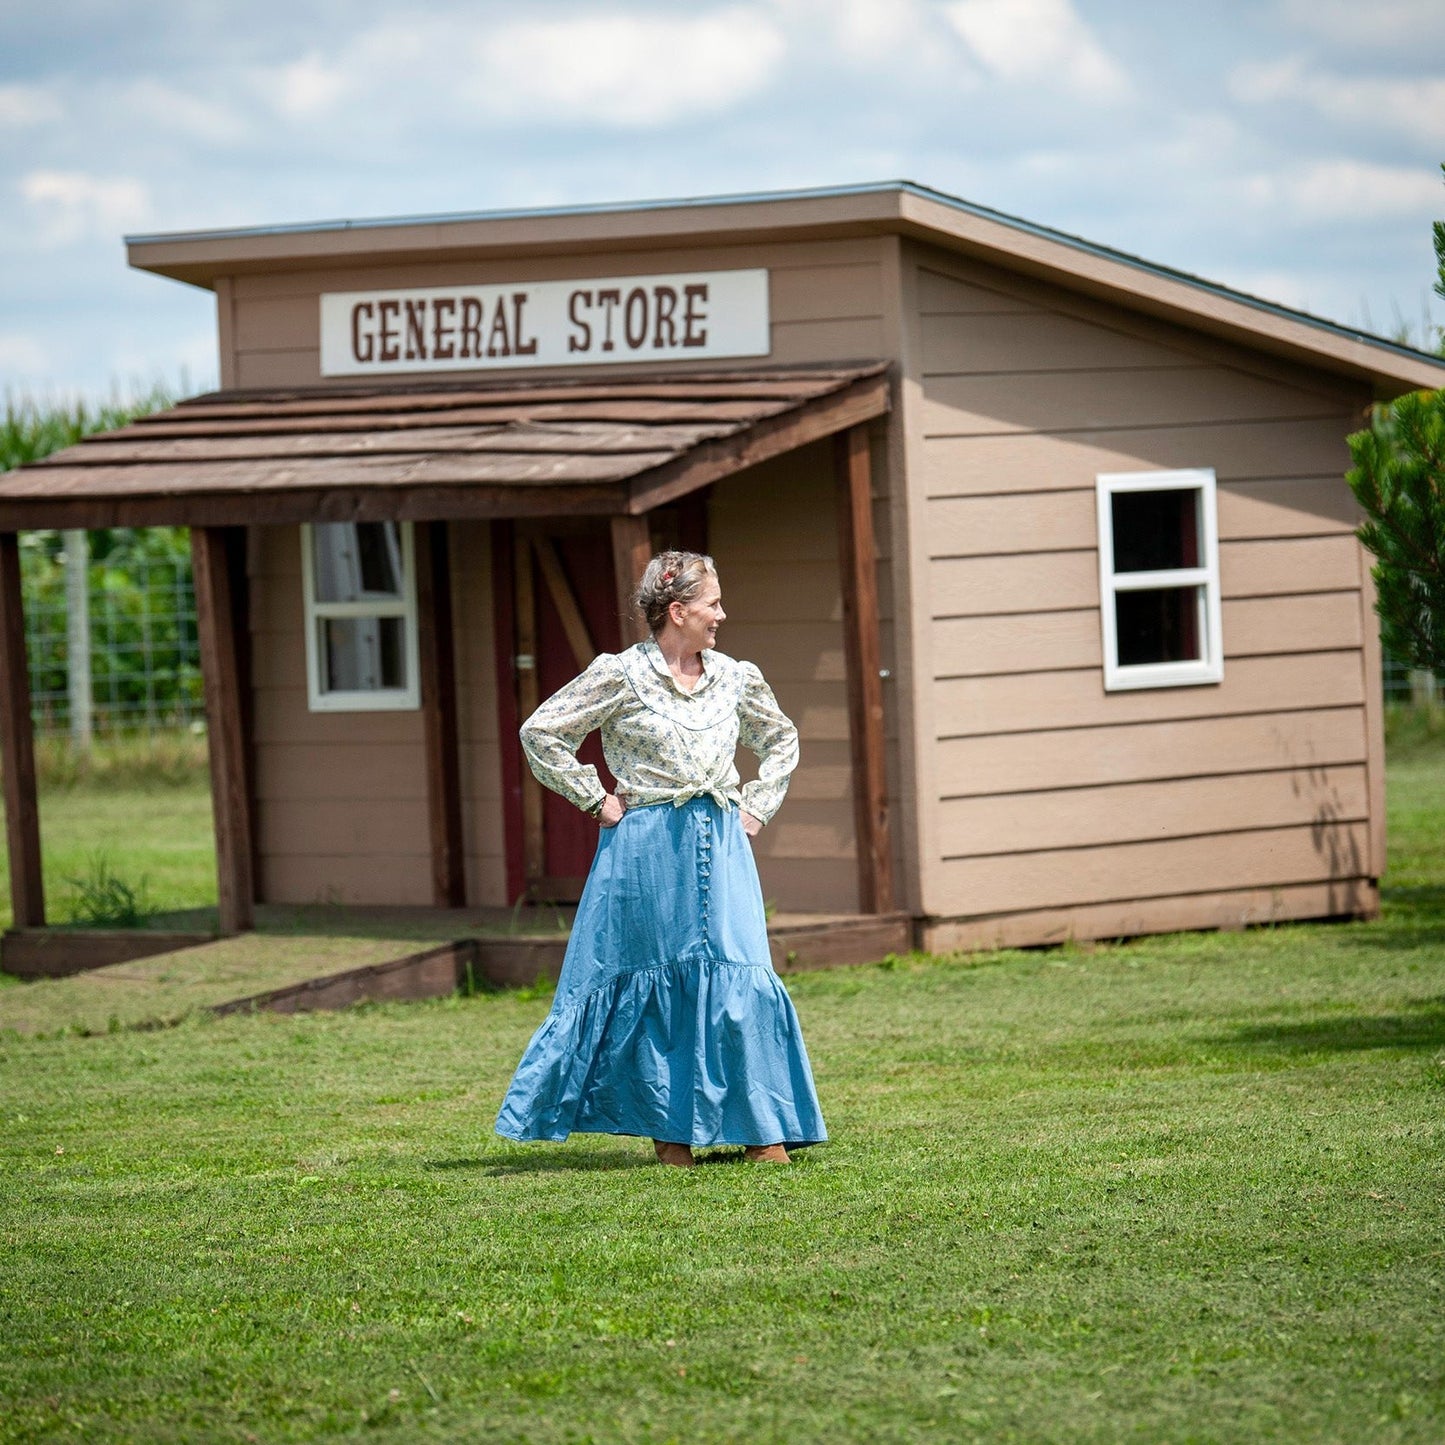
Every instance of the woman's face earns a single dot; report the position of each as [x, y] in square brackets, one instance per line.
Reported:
[698, 620]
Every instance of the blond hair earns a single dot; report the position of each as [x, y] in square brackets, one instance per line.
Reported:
[671, 577]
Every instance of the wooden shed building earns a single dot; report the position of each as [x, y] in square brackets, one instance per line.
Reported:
[1047, 549]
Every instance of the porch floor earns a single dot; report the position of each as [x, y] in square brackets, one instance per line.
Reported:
[328, 956]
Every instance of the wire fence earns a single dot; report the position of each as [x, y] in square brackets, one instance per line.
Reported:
[136, 641]
[119, 655]
[1405, 684]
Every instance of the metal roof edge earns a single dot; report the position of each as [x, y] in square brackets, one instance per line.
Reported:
[529, 213]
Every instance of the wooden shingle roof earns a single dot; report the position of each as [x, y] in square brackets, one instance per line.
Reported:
[465, 449]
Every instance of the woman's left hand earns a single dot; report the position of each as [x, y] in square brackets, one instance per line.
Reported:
[751, 826]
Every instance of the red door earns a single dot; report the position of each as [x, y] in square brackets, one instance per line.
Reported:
[556, 608]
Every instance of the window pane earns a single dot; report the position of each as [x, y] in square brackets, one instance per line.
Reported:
[1156, 531]
[363, 654]
[357, 561]
[1159, 624]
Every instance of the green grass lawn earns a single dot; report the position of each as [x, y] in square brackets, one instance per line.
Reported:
[157, 840]
[1185, 1189]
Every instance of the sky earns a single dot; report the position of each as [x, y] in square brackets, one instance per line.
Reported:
[1288, 148]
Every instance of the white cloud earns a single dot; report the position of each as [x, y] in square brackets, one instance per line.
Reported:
[22, 356]
[72, 206]
[25, 105]
[1338, 190]
[308, 87]
[1412, 26]
[617, 68]
[1022, 41]
[190, 112]
[626, 70]
[862, 31]
[1284, 288]
[1412, 106]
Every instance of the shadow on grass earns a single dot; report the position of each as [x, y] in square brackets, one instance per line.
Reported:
[1423, 1028]
[1420, 905]
[558, 1159]
[555, 1159]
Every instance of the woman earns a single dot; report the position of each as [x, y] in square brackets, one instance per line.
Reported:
[669, 1021]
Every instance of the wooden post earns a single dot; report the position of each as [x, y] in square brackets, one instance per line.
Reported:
[534, 848]
[225, 728]
[17, 747]
[857, 555]
[77, 637]
[439, 715]
[631, 552]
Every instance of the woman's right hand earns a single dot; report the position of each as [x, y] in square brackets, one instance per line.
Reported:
[612, 810]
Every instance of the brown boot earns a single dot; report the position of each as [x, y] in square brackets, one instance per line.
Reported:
[766, 1154]
[678, 1154]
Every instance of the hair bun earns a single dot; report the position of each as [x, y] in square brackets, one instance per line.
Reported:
[671, 577]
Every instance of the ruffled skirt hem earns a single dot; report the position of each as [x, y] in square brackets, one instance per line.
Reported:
[702, 1051]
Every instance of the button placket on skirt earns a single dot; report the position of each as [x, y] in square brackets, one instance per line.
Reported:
[704, 872]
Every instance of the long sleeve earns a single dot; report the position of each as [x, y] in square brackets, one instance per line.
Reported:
[764, 729]
[552, 735]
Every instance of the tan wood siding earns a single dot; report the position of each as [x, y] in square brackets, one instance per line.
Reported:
[1245, 451]
[1030, 762]
[341, 808]
[1239, 908]
[763, 524]
[1010, 883]
[290, 772]
[1035, 341]
[1140, 812]
[345, 878]
[1053, 794]
[1035, 642]
[1039, 702]
[1042, 402]
[826, 301]
[1062, 521]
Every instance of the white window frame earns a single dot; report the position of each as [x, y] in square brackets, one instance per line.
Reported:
[1209, 667]
[389, 699]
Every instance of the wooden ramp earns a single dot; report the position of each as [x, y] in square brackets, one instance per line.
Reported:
[252, 970]
[341, 957]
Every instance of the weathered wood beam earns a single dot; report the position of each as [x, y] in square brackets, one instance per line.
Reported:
[858, 558]
[631, 552]
[579, 639]
[280, 506]
[17, 747]
[711, 461]
[437, 665]
[225, 690]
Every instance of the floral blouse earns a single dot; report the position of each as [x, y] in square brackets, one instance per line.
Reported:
[664, 744]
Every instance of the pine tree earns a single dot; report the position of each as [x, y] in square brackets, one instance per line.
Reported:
[1398, 478]
[1440, 267]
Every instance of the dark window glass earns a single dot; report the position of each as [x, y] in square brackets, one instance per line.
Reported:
[1159, 624]
[364, 654]
[1156, 531]
[357, 561]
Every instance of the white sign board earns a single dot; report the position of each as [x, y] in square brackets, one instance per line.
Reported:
[608, 319]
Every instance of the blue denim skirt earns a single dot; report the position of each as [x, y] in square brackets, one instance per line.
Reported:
[669, 1021]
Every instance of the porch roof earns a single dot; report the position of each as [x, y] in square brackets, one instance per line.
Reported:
[618, 445]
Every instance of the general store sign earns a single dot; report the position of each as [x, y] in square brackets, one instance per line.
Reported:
[693, 315]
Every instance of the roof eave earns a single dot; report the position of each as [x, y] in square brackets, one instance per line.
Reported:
[201, 258]
[1389, 369]
[896, 207]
